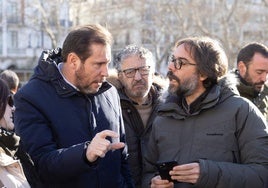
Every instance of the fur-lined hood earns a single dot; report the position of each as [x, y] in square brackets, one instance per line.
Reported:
[229, 82]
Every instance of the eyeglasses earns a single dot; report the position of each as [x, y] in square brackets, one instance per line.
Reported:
[10, 101]
[130, 73]
[179, 62]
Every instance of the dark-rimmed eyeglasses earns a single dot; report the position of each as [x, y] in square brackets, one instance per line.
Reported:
[10, 101]
[179, 62]
[130, 73]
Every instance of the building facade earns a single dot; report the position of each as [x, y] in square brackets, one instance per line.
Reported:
[27, 27]
[157, 24]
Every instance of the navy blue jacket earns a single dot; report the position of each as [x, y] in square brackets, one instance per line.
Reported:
[55, 121]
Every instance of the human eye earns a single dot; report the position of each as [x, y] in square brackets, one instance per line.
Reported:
[184, 61]
[145, 70]
[98, 65]
[259, 72]
[129, 71]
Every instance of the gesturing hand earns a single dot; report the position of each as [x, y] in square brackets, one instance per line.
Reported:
[188, 173]
[157, 182]
[99, 145]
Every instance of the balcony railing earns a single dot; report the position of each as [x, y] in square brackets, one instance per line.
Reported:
[16, 52]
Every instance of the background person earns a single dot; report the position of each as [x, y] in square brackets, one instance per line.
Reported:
[11, 172]
[252, 71]
[139, 92]
[12, 80]
[69, 118]
[13, 83]
[218, 138]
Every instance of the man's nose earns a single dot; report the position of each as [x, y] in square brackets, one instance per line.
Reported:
[264, 77]
[104, 71]
[171, 66]
[137, 75]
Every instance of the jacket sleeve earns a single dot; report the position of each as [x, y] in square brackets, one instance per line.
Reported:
[150, 159]
[124, 162]
[252, 167]
[52, 164]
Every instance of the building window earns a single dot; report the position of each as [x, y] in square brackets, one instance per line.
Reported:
[1, 42]
[256, 1]
[12, 12]
[13, 42]
[1, 8]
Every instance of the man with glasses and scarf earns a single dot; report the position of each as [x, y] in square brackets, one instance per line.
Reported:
[216, 137]
[139, 92]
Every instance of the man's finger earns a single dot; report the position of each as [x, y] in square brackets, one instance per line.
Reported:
[105, 133]
[117, 145]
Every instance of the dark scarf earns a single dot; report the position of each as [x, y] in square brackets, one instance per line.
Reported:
[245, 88]
[195, 105]
[9, 141]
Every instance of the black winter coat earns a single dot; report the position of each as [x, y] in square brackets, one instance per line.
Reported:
[137, 135]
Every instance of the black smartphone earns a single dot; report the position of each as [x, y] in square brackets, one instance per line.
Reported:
[164, 168]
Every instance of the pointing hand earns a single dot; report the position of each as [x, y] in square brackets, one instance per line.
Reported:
[99, 145]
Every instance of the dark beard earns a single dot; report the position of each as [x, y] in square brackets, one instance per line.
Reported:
[186, 88]
[177, 91]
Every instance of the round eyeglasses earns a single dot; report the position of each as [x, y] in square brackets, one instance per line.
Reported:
[179, 62]
[10, 100]
[130, 73]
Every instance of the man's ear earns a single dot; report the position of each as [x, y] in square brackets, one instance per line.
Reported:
[73, 60]
[202, 77]
[241, 68]
[120, 75]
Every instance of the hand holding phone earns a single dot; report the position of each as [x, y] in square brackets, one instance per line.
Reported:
[164, 168]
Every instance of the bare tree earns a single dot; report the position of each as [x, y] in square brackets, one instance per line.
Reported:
[50, 17]
[226, 21]
[157, 24]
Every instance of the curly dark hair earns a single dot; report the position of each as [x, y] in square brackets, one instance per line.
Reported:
[210, 58]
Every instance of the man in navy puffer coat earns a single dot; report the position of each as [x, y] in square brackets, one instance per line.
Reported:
[69, 118]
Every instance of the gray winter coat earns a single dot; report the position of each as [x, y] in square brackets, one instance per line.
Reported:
[225, 134]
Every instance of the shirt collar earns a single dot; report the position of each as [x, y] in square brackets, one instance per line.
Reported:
[60, 70]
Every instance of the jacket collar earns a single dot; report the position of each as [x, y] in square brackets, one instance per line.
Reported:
[244, 88]
[173, 105]
[47, 70]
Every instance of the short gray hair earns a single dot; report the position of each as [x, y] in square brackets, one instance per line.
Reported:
[11, 78]
[134, 50]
